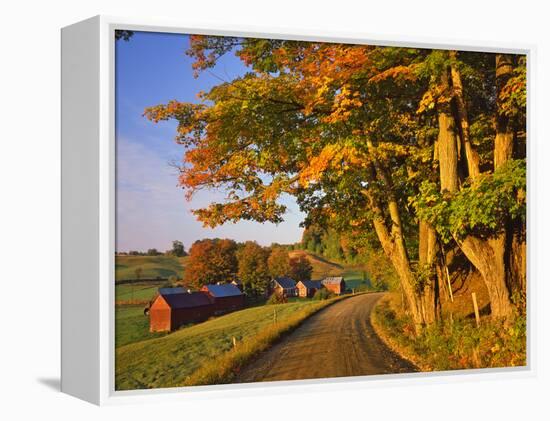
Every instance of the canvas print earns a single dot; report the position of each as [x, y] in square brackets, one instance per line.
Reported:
[290, 210]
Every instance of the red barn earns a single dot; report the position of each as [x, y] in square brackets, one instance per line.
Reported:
[308, 288]
[171, 310]
[225, 297]
[334, 284]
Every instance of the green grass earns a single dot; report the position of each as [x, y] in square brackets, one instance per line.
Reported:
[151, 266]
[131, 325]
[126, 292]
[354, 278]
[170, 361]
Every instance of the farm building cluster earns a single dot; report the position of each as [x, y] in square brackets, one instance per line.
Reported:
[289, 288]
[175, 307]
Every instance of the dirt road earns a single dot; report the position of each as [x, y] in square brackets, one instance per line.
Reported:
[338, 341]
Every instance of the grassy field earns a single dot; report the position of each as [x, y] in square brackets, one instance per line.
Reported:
[170, 360]
[138, 291]
[151, 266]
[131, 325]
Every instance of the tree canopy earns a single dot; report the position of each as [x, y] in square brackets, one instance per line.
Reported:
[424, 148]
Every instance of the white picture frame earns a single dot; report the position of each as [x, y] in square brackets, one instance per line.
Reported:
[88, 214]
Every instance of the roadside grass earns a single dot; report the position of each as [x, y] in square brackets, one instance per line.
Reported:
[299, 299]
[451, 345]
[224, 368]
[131, 325]
[203, 353]
[151, 266]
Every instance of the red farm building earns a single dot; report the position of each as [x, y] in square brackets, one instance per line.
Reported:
[172, 309]
[225, 297]
[334, 284]
[285, 286]
[308, 288]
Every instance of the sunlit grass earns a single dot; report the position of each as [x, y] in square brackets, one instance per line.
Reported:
[173, 360]
[453, 345]
[151, 267]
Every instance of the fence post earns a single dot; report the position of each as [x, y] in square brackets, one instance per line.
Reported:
[234, 342]
[476, 310]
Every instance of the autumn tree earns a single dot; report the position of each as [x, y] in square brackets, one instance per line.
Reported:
[253, 269]
[305, 122]
[300, 269]
[278, 262]
[211, 261]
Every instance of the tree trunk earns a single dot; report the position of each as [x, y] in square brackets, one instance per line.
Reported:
[504, 139]
[516, 259]
[447, 144]
[470, 154]
[488, 256]
[401, 265]
[427, 252]
[393, 243]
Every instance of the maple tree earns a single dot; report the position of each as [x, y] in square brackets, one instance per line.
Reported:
[210, 262]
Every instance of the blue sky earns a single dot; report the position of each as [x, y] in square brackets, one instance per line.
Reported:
[152, 68]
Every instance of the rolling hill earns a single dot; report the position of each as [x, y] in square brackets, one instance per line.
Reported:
[354, 275]
[152, 267]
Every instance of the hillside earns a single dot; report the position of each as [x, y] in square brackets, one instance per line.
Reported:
[321, 266]
[152, 266]
[354, 275]
[165, 266]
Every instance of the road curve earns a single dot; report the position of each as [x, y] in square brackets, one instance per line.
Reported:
[338, 341]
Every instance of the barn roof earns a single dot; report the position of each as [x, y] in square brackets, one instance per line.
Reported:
[312, 284]
[166, 291]
[285, 282]
[187, 299]
[223, 290]
[331, 280]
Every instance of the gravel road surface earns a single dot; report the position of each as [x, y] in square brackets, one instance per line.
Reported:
[336, 342]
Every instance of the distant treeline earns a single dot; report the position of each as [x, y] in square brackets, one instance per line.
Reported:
[158, 279]
[177, 249]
